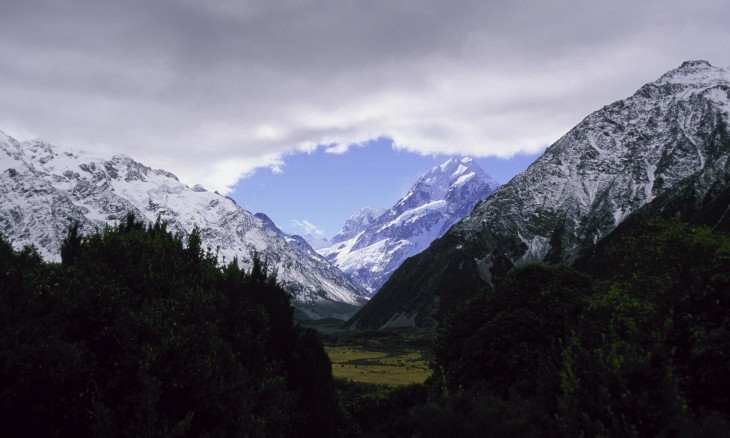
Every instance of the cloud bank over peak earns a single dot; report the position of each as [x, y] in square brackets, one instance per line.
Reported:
[214, 90]
[307, 228]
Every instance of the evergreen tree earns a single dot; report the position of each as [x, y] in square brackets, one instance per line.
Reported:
[137, 334]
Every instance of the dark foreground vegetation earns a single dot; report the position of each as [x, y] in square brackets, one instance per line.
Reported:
[137, 334]
[644, 350]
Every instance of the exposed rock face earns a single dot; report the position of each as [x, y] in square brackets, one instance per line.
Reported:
[46, 188]
[615, 161]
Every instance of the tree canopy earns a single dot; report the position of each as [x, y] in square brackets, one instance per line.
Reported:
[642, 352]
[136, 333]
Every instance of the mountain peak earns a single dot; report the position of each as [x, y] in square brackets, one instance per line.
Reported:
[357, 222]
[371, 246]
[441, 180]
[695, 74]
[695, 63]
[451, 162]
[453, 165]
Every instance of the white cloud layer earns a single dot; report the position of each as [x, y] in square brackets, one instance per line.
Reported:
[214, 90]
[308, 228]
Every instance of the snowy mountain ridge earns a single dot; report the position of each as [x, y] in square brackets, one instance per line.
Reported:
[357, 223]
[45, 188]
[373, 243]
[618, 159]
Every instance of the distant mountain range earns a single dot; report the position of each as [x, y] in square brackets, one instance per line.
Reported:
[375, 242]
[664, 149]
[45, 188]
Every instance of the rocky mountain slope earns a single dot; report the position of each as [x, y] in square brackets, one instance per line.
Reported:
[618, 159]
[45, 188]
[374, 243]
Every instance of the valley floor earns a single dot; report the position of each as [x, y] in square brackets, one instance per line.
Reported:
[390, 357]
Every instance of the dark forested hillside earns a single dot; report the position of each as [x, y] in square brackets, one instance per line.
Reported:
[640, 352]
[136, 334]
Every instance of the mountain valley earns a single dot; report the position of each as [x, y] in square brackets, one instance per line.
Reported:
[615, 161]
[588, 296]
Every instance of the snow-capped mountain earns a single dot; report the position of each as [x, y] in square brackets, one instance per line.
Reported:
[615, 161]
[354, 225]
[316, 242]
[357, 223]
[45, 188]
[374, 242]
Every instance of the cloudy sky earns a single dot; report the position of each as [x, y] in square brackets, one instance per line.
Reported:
[214, 90]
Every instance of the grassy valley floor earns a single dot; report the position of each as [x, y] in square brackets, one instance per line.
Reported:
[391, 357]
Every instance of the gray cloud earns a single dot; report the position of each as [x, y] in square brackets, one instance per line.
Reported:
[212, 90]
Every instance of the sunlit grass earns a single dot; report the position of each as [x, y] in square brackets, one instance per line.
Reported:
[380, 367]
